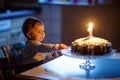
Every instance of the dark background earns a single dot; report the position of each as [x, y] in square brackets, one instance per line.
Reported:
[105, 17]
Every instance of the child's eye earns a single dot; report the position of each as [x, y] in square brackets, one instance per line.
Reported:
[39, 32]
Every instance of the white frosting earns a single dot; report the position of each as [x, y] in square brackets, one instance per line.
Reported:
[91, 41]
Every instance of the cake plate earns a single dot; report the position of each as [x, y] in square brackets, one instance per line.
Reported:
[87, 65]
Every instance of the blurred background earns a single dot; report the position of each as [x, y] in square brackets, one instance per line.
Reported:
[65, 20]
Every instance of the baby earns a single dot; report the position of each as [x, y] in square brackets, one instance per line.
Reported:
[35, 50]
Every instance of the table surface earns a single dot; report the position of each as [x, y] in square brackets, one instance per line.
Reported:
[67, 68]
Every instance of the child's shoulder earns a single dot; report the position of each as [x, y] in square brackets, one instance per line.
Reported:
[33, 42]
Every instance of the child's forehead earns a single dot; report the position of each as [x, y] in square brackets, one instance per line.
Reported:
[40, 26]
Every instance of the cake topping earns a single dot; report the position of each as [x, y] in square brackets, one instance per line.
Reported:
[90, 41]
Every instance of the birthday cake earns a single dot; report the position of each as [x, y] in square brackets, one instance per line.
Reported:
[91, 46]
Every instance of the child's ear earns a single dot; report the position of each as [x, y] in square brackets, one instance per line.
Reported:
[28, 34]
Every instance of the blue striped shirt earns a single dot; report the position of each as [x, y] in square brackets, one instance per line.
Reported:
[36, 51]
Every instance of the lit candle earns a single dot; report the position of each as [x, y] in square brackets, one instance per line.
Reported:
[90, 27]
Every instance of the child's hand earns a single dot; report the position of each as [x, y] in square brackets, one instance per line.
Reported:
[63, 46]
[38, 56]
[54, 54]
[60, 46]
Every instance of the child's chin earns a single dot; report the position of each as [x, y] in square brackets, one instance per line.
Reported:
[41, 40]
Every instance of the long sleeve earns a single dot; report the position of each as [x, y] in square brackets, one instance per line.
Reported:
[36, 51]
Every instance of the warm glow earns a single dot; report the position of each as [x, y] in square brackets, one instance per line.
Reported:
[90, 27]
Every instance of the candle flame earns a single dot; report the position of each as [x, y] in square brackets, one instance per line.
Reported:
[90, 26]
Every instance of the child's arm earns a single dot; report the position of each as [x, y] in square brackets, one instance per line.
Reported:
[54, 47]
[60, 46]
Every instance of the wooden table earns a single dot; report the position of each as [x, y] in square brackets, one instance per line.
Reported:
[67, 68]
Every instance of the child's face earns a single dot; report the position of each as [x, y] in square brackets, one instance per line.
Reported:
[37, 32]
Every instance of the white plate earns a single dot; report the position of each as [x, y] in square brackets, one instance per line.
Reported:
[69, 53]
